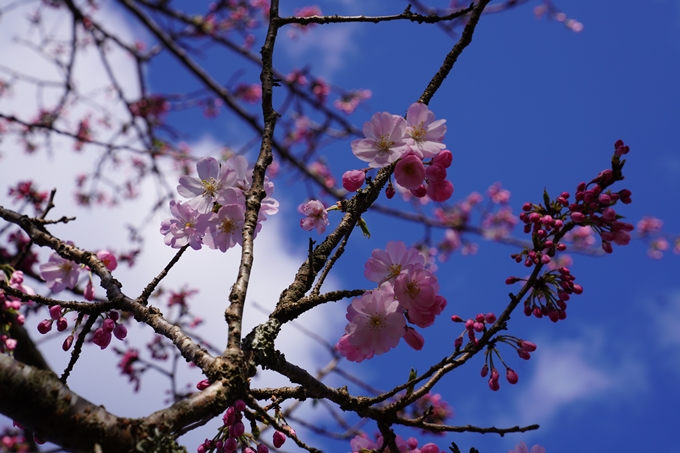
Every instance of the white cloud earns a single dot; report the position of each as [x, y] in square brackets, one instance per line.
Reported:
[570, 374]
[329, 45]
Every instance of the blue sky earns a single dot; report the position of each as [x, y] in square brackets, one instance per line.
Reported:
[529, 104]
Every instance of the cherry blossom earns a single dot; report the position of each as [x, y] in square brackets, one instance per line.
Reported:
[410, 172]
[384, 142]
[182, 230]
[376, 321]
[59, 273]
[387, 264]
[424, 135]
[223, 229]
[205, 189]
[317, 217]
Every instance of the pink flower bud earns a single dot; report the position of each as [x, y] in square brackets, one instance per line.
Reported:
[230, 445]
[45, 326]
[262, 448]
[279, 439]
[490, 318]
[55, 312]
[352, 180]
[511, 376]
[440, 190]
[108, 325]
[414, 339]
[202, 385]
[444, 158]
[523, 354]
[577, 217]
[478, 326]
[511, 280]
[527, 346]
[62, 324]
[458, 342]
[102, 338]
[114, 315]
[240, 405]
[429, 448]
[420, 192]
[456, 318]
[494, 385]
[389, 192]
[485, 370]
[108, 258]
[67, 343]
[237, 429]
[435, 173]
[88, 294]
[120, 332]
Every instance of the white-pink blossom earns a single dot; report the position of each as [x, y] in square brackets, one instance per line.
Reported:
[223, 229]
[182, 229]
[317, 217]
[386, 265]
[59, 273]
[424, 135]
[377, 322]
[416, 290]
[384, 142]
[205, 189]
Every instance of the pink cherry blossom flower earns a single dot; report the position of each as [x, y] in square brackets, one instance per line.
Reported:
[425, 318]
[317, 217]
[352, 180]
[224, 229]
[410, 172]
[384, 142]
[424, 135]
[182, 230]
[351, 352]
[378, 322]
[59, 273]
[387, 264]
[416, 290]
[108, 258]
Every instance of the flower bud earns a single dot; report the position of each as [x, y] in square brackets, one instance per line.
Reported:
[511, 376]
[279, 439]
[45, 326]
[202, 385]
[352, 180]
[444, 158]
[62, 324]
[120, 332]
[67, 343]
[414, 339]
[55, 312]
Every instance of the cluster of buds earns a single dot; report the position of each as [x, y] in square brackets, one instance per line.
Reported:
[550, 294]
[9, 308]
[472, 327]
[102, 336]
[232, 435]
[523, 348]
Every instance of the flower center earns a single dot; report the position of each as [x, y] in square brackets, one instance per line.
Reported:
[228, 226]
[66, 267]
[395, 270]
[211, 186]
[418, 132]
[412, 289]
[383, 144]
[376, 322]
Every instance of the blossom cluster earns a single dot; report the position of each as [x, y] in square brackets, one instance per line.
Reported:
[407, 291]
[60, 273]
[215, 212]
[408, 142]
